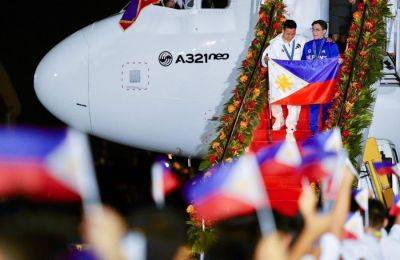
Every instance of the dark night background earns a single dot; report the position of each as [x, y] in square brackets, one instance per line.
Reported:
[29, 29]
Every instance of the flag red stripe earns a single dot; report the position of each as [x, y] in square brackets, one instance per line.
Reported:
[314, 93]
[170, 181]
[385, 171]
[32, 179]
[219, 207]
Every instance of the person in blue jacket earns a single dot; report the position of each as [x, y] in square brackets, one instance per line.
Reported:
[319, 48]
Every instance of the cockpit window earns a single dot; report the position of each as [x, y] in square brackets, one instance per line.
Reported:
[217, 4]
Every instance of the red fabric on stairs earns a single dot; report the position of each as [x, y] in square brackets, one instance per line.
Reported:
[283, 192]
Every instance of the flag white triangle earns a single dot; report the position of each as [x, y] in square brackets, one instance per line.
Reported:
[362, 198]
[245, 183]
[334, 141]
[396, 169]
[157, 189]
[282, 82]
[289, 154]
[72, 164]
[354, 225]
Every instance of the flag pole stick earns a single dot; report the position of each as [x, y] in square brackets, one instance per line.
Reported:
[86, 180]
[266, 221]
[203, 227]
[366, 217]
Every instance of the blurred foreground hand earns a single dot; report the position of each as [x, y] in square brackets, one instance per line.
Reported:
[271, 247]
[103, 229]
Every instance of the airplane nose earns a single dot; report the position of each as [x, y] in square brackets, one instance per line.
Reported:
[61, 81]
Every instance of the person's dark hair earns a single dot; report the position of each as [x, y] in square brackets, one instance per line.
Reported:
[164, 230]
[322, 23]
[289, 24]
[377, 213]
[292, 226]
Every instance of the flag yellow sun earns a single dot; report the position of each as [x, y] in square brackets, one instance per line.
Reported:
[284, 82]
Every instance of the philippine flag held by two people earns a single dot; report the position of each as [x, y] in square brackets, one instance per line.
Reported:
[132, 12]
[302, 82]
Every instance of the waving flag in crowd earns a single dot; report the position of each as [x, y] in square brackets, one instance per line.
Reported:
[164, 181]
[395, 209]
[385, 168]
[302, 82]
[354, 228]
[323, 160]
[52, 165]
[281, 158]
[132, 12]
[233, 189]
[361, 197]
[239, 188]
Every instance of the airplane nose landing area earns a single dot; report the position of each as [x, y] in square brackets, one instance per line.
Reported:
[61, 81]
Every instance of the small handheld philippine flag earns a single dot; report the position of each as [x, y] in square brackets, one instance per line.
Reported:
[277, 162]
[232, 190]
[395, 209]
[353, 228]
[45, 164]
[385, 168]
[361, 197]
[164, 181]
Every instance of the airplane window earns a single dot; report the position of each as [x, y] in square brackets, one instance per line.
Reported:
[177, 4]
[218, 4]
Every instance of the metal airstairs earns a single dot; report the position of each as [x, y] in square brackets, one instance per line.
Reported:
[383, 136]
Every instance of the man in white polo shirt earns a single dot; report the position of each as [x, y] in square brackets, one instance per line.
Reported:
[285, 46]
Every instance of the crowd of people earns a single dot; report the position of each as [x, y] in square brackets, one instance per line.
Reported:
[44, 231]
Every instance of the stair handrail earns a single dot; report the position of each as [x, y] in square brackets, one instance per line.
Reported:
[249, 83]
[352, 66]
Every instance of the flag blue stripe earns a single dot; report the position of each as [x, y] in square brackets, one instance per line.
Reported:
[268, 153]
[312, 71]
[203, 187]
[382, 165]
[29, 143]
[131, 11]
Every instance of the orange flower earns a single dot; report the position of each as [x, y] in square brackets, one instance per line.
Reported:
[256, 92]
[228, 160]
[190, 209]
[357, 15]
[231, 109]
[236, 103]
[243, 79]
[215, 145]
[243, 124]
[363, 53]
[177, 166]
[249, 55]
[349, 106]
[222, 136]
[260, 33]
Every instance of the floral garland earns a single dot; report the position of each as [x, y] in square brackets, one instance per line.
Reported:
[352, 106]
[252, 75]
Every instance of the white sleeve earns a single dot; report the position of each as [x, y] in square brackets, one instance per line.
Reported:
[133, 246]
[265, 53]
[330, 247]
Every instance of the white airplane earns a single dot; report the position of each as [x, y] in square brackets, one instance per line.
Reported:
[161, 84]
